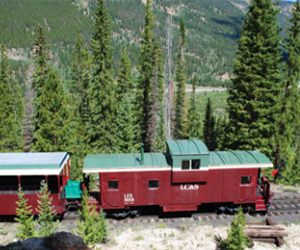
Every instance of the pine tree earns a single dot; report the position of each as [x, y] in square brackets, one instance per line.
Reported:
[124, 82]
[10, 109]
[25, 229]
[180, 97]
[102, 124]
[193, 116]
[221, 132]
[41, 58]
[209, 135]
[53, 116]
[159, 144]
[288, 119]
[79, 112]
[252, 102]
[46, 211]
[92, 226]
[143, 98]
[127, 128]
[236, 239]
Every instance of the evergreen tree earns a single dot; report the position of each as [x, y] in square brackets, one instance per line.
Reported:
[193, 116]
[180, 97]
[127, 128]
[41, 58]
[124, 83]
[288, 136]
[46, 211]
[79, 113]
[159, 144]
[102, 124]
[92, 226]
[10, 109]
[252, 102]
[143, 97]
[236, 239]
[25, 229]
[53, 116]
[209, 130]
[221, 132]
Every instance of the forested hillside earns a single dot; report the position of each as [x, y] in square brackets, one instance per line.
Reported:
[212, 29]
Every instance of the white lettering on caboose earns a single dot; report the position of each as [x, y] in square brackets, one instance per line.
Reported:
[189, 187]
[128, 198]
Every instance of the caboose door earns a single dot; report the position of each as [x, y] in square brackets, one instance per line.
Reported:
[110, 190]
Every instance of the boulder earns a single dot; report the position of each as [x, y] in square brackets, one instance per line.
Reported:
[56, 241]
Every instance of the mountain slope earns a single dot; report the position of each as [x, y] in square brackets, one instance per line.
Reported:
[212, 29]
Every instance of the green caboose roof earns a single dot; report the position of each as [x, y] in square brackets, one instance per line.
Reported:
[235, 158]
[95, 163]
[187, 147]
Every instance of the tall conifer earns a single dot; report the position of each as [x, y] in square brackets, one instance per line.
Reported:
[11, 107]
[41, 58]
[79, 95]
[194, 120]
[124, 82]
[288, 137]
[102, 124]
[180, 97]
[159, 144]
[209, 127]
[127, 128]
[252, 102]
[144, 87]
[53, 116]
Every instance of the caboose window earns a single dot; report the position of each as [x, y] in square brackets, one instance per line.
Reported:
[30, 183]
[185, 165]
[190, 164]
[113, 185]
[152, 184]
[195, 164]
[245, 180]
[9, 183]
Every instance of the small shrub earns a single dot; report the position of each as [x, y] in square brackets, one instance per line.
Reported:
[25, 229]
[138, 238]
[92, 226]
[236, 239]
[162, 225]
[45, 221]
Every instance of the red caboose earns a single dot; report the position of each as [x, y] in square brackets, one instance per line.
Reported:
[184, 178]
[28, 170]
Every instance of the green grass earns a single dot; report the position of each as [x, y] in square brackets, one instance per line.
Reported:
[218, 99]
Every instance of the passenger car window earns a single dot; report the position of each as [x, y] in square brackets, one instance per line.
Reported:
[185, 165]
[245, 180]
[113, 185]
[152, 184]
[9, 183]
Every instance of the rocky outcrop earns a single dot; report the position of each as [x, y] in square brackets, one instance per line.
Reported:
[56, 241]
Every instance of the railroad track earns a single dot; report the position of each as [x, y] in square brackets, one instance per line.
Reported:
[282, 205]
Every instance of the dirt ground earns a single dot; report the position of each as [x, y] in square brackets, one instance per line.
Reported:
[157, 235]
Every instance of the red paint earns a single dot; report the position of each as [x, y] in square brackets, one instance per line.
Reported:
[213, 186]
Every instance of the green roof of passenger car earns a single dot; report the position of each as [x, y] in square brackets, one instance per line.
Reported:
[123, 161]
[187, 147]
[238, 157]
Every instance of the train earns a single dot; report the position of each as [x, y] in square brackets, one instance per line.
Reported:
[184, 179]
